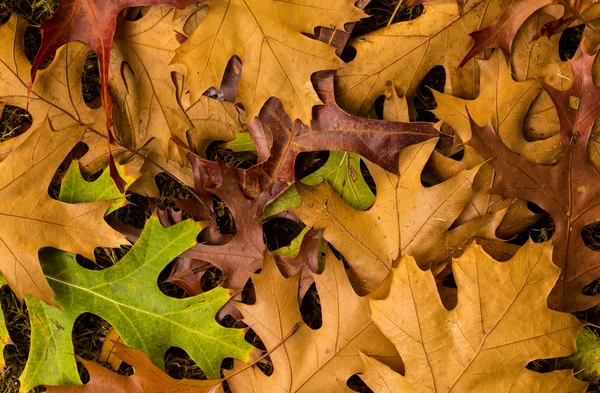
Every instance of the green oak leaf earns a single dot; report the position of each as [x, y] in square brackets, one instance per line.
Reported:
[242, 142]
[586, 361]
[50, 360]
[293, 248]
[128, 297]
[289, 199]
[342, 172]
[75, 189]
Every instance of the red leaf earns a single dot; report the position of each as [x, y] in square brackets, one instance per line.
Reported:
[93, 22]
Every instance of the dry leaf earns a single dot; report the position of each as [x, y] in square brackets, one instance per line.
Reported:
[310, 360]
[277, 58]
[501, 323]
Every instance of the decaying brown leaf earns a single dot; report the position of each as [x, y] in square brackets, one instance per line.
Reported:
[567, 190]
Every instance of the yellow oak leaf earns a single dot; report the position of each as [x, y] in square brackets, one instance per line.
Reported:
[267, 35]
[500, 323]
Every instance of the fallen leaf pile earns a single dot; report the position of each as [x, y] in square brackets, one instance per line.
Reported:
[307, 232]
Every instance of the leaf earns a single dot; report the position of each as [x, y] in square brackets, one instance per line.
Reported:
[567, 190]
[310, 360]
[92, 22]
[486, 341]
[404, 53]
[585, 360]
[502, 32]
[32, 220]
[128, 297]
[502, 102]
[406, 218]
[278, 59]
[147, 378]
[56, 94]
[75, 189]
[342, 171]
[278, 140]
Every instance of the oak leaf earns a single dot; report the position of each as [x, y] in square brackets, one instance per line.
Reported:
[486, 341]
[310, 360]
[56, 95]
[567, 190]
[32, 219]
[502, 32]
[404, 53]
[94, 23]
[278, 59]
[127, 296]
[405, 218]
[502, 102]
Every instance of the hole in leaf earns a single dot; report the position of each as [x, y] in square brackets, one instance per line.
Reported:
[381, 11]
[348, 53]
[279, 232]
[105, 258]
[90, 82]
[13, 122]
[366, 174]
[77, 152]
[541, 231]
[541, 365]
[378, 107]
[19, 329]
[212, 279]
[591, 236]
[179, 365]
[311, 308]
[89, 332]
[569, 42]
[266, 365]
[424, 101]
[242, 160]
[358, 385]
[136, 212]
[449, 282]
[309, 162]
[33, 42]
[223, 216]
[592, 288]
[167, 287]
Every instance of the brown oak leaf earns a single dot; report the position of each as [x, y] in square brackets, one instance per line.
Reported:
[568, 190]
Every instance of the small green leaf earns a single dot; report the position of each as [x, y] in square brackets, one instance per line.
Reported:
[75, 189]
[294, 247]
[128, 297]
[242, 142]
[586, 360]
[50, 360]
[342, 172]
[289, 199]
